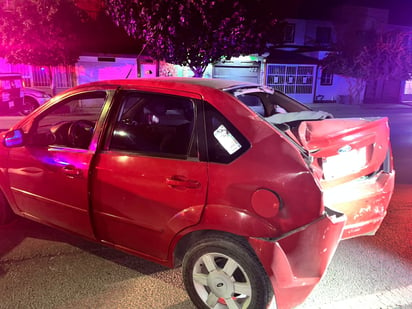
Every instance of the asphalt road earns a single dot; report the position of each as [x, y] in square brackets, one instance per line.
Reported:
[44, 268]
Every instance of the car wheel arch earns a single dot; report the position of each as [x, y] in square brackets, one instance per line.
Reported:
[194, 237]
[31, 99]
[215, 222]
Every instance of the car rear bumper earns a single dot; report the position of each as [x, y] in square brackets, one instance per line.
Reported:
[364, 203]
[296, 262]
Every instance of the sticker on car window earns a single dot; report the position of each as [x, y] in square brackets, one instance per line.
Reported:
[227, 140]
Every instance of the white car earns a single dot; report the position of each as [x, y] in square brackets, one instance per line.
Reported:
[33, 98]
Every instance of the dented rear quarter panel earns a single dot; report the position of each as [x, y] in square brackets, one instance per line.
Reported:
[274, 163]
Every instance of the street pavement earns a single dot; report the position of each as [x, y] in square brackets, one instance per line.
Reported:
[372, 272]
[44, 268]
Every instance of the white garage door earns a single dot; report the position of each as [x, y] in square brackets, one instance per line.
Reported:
[244, 73]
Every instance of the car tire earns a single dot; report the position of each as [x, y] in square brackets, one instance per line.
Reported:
[6, 214]
[222, 271]
[29, 105]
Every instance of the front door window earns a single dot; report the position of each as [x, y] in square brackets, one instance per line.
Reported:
[69, 124]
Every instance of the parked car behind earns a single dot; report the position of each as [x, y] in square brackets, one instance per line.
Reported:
[11, 96]
[14, 98]
[33, 98]
[246, 188]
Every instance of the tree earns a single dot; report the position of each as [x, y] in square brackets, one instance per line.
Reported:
[42, 32]
[195, 33]
[377, 57]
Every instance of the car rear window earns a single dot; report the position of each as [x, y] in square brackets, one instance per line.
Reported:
[224, 142]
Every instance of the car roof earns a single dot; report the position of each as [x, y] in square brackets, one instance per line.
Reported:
[175, 82]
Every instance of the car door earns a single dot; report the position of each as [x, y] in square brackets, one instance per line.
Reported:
[49, 175]
[148, 183]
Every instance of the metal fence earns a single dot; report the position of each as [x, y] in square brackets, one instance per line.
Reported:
[39, 76]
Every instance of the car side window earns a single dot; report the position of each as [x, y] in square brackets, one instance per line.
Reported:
[154, 124]
[69, 123]
[253, 102]
[224, 142]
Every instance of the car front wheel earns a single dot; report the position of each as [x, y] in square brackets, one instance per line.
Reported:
[223, 272]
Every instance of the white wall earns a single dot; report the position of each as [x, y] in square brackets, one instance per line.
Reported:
[92, 68]
[339, 89]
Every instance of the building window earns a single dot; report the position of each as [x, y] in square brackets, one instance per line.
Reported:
[323, 35]
[326, 79]
[289, 33]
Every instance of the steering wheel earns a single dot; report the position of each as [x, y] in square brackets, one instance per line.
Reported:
[80, 133]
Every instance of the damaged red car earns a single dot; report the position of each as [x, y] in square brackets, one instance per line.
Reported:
[246, 188]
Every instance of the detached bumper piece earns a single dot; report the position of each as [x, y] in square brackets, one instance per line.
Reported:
[296, 262]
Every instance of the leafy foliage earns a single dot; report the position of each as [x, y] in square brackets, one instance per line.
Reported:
[383, 56]
[388, 57]
[41, 32]
[195, 33]
[370, 57]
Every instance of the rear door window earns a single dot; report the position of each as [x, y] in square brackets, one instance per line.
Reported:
[155, 125]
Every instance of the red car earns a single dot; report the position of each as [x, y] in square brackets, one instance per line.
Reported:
[246, 188]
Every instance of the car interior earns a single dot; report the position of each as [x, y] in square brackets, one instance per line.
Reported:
[154, 124]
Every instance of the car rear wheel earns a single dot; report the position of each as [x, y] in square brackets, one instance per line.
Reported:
[223, 272]
[6, 214]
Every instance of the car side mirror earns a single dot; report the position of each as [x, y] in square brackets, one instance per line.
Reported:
[14, 138]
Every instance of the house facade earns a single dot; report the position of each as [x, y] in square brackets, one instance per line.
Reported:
[305, 80]
[294, 67]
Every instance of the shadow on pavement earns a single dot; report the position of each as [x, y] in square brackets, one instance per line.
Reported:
[13, 234]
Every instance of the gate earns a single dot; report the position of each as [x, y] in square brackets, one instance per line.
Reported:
[297, 81]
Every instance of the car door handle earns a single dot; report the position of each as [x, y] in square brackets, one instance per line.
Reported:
[182, 182]
[71, 171]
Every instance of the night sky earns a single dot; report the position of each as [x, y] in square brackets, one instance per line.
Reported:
[400, 10]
